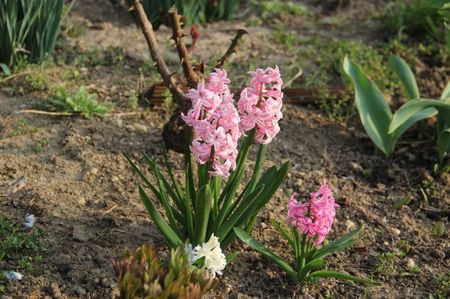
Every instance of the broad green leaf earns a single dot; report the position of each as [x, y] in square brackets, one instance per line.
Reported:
[443, 144]
[408, 112]
[172, 238]
[5, 69]
[374, 112]
[247, 239]
[414, 118]
[338, 275]
[406, 76]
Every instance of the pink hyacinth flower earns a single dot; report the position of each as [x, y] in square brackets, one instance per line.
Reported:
[315, 217]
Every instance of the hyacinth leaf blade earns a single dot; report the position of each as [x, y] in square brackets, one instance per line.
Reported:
[283, 232]
[373, 109]
[311, 265]
[230, 189]
[171, 236]
[250, 241]
[339, 275]
[343, 242]
[162, 191]
[143, 177]
[189, 216]
[406, 76]
[236, 218]
[202, 211]
[175, 182]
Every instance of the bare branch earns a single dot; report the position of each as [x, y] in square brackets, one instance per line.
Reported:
[147, 30]
[191, 75]
[232, 48]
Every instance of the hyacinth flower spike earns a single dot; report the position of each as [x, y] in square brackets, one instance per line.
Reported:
[204, 208]
[309, 224]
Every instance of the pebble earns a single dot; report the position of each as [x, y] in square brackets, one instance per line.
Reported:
[140, 128]
[81, 201]
[350, 225]
[395, 231]
[81, 234]
[410, 264]
[94, 171]
[114, 179]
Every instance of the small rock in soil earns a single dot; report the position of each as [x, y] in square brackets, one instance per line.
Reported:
[81, 234]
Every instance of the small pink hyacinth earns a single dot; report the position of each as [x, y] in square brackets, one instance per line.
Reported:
[215, 122]
[314, 218]
[260, 104]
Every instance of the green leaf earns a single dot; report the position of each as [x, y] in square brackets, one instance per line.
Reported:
[5, 69]
[283, 232]
[202, 210]
[314, 264]
[172, 238]
[443, 144]
[338, 275]
[409, 112]
[343, 242]
[406, 76]
[236, 217]
[446, 92]
[247, 239]
[162, 191]
[374, 112]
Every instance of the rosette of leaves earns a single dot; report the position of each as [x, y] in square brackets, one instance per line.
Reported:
[142, 275]
[382, 126]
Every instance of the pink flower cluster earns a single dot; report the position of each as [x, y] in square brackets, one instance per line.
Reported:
[215, 122]
[260, 104]
[314, 218]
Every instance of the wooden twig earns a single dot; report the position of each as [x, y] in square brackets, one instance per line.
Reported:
[43, 112]
[149, 34]
[191, 75]
[232, 48]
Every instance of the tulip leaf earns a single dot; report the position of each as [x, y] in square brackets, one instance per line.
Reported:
[406, 76]
[443, 144]
[373, 109]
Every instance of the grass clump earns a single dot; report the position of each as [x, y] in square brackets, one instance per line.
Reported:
[28, 28]
[19, 248]
[80, 102]
[420, 18]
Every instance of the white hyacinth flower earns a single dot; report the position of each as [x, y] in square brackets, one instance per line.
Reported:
[29, 220]
[11, 275]
[215, 260]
